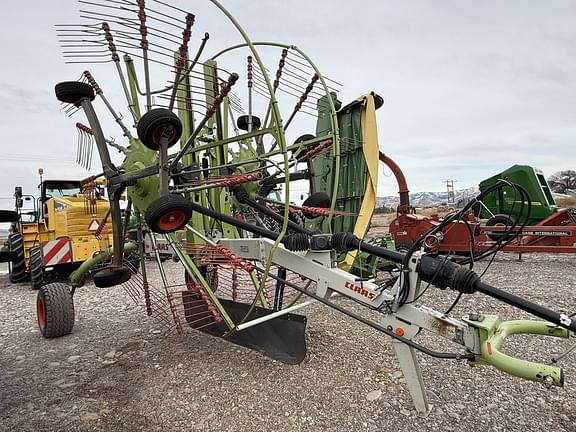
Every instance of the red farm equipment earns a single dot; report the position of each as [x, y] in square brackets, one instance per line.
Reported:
[509, 227]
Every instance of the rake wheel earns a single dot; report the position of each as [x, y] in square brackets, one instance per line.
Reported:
[158, 124]
[168, 213]
[72, 92]
[111, 276]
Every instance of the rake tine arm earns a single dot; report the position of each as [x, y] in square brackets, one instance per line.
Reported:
[209, 113]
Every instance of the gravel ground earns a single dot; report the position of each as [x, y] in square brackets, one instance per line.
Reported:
[119, 371]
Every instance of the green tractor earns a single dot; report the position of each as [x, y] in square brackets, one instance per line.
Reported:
[505, 204]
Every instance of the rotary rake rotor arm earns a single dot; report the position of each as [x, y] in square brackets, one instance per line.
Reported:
[82, 95]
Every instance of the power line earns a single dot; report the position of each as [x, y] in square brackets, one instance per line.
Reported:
[35, 158]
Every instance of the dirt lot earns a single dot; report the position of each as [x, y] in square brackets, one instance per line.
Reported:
[118, 371]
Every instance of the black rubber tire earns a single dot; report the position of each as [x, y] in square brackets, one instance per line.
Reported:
[73, 92]
[317, 199]
[36, 266]
[111, 276]
[17, 272]
[500, 220]
[242, 123]
[10, 216]
[403, 247]
[165, 206]
[305, 137]
[55, 310]
[152, 124]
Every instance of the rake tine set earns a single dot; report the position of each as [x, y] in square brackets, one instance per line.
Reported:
[137, 24]
[85, 146]
[182, 57]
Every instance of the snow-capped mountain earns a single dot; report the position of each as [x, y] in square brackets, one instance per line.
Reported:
[429, 199]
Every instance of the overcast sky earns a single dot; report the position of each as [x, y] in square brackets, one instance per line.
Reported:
[470, 87]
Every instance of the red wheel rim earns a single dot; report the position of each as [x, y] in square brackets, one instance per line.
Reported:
[172, 220]
[41, 313]
[159, 131]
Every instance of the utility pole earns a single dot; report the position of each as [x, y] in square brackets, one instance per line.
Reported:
[450, 189]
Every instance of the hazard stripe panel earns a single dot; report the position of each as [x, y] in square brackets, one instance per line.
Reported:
[57, 251]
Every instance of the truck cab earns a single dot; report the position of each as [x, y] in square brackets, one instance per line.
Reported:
[59, 229]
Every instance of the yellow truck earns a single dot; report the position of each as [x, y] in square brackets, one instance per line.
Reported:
[56, 232]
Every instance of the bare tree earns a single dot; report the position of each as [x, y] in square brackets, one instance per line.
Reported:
[562, 181]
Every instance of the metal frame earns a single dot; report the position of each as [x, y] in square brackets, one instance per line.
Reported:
[481, 336]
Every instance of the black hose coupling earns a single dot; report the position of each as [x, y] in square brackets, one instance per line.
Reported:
[301, 242]
[344, 241]
[444, 273]
[297, 242]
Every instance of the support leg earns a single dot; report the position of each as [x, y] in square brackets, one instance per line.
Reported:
[411, 370]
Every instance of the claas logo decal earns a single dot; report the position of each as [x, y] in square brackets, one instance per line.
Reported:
[358, 289]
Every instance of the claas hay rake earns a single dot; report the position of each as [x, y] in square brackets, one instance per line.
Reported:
[212, 158]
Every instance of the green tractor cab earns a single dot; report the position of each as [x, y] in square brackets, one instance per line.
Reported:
[507, 201]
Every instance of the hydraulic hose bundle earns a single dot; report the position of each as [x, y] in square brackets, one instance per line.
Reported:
[438, 270]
